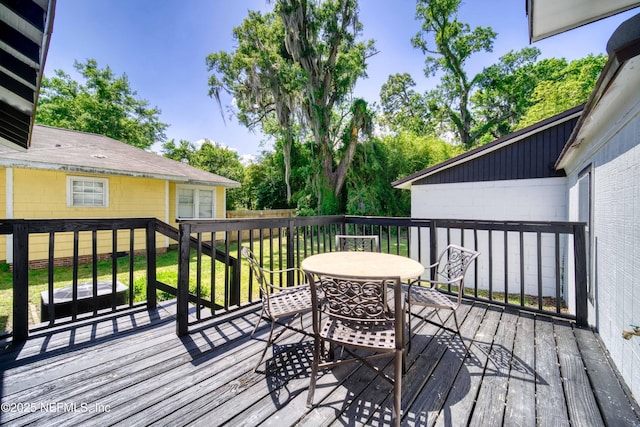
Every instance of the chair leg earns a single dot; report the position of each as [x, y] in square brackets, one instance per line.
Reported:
[467, 349]
[258, 322]
[397, 388]
[314, 371]
[404, 342]
[266, 347]
[409, 318]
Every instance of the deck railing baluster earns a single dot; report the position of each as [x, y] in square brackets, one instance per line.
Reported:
[94, 276]
[298, 238]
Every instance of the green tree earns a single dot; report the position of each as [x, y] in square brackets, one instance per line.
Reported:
[403, 108]
[448, 44]
[504, 92]
[183, 152]
[566, 86]
[214, 158]
[263, 80]
[321, 38]
[380, 162]
[105, 104]
[296, 68]
[409, 153]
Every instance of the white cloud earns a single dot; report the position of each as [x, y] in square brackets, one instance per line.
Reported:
[247, 159]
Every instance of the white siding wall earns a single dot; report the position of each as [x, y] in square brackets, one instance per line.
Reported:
[520, 200]
[616, 239]
[515, 200]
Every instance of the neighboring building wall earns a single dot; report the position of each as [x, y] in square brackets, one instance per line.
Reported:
[42, 194]
[220, 202]
[614, 156]
[542, 199]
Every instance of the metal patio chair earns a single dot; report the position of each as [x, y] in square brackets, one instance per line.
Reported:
[358, 314]
[449, 271]
[357, 243]
[278, 302]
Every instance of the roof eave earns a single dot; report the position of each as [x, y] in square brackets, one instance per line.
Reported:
[547, 18]
[105, 171]
[24, 53]
[618, 56]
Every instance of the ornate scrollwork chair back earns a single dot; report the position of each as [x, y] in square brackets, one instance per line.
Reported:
[356, 313]
[450, 270]
[369, 243]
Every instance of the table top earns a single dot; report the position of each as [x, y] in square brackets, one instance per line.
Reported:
[363, 264]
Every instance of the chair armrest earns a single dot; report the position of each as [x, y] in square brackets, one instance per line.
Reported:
[285, 270]
[433, 283]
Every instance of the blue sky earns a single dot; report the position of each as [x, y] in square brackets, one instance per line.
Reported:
[162, 45]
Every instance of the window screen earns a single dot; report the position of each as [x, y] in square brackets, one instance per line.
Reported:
[91, 192]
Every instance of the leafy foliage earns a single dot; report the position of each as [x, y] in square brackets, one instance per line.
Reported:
[105, 104]
[262, 78]
[297, 67]
[567, 85]
[212, 157]
[516, 91]
[452, 44]
[377, 164]
[403, 108]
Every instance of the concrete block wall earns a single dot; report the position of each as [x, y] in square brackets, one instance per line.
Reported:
[515, 200]
[616, 240]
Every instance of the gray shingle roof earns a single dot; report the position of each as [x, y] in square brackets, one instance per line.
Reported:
[61, 149]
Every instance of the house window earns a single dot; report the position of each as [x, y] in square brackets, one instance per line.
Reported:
[584, 215]
[195, 202]
[87, 192]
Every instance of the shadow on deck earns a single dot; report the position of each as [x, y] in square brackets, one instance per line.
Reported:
[523, 369]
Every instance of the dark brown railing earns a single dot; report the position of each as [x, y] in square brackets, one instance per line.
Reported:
[529, 265]
[534, 266]
[64, 239]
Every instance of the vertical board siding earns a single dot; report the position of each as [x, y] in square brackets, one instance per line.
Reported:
[530, 157]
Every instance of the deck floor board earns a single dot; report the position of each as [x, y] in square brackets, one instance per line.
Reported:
[522, 378]
[131, 368]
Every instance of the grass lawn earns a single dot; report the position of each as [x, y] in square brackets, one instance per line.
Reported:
[166, 272]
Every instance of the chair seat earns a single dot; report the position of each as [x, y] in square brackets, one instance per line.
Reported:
[289, 302]
[422, 295]
[379, 336]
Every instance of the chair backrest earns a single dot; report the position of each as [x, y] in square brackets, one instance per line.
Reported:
[454, 261]
[258, 271]
[353, 298]
[357, 243]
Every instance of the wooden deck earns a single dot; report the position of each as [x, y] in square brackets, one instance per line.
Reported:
[132, 369]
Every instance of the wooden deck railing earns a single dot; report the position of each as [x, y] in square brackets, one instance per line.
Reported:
[73, 241]
[535, 266]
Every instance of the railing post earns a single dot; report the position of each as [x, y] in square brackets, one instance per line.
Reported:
[151, 264]
[182, 308]
[20, 282]
[580, 253]
[290, 253]
[433, 246]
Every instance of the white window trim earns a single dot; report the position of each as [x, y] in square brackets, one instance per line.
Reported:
[71, 179]
[196, 199]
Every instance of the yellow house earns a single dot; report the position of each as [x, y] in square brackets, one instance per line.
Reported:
[71, 174]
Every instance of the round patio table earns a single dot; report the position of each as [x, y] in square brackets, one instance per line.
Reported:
[363, 265]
